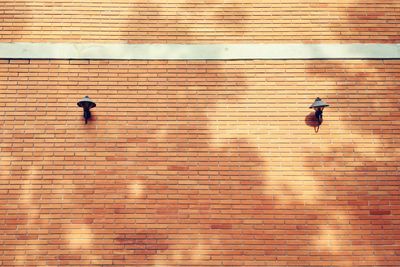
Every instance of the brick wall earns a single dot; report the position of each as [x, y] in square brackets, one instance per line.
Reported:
[206, 163]
[180, 21]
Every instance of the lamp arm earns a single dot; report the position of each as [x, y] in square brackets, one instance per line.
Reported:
[318, 115]
[86, 115]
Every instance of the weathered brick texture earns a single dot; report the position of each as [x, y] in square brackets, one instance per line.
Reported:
[208, 21]
[206, 163]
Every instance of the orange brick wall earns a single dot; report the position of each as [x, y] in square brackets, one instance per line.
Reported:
[181, 21]
[206, 163]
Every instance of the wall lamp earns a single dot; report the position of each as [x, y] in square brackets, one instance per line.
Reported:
[86, 103]
[319, 106]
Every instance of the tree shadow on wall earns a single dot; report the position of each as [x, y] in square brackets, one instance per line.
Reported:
[173, 178]
[176, 191]
[179, 188]
[360, 120]
[358, 155]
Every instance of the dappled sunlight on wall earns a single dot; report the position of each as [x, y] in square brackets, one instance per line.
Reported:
[198, 163]
[358, 158]
[136, 189]
[230, 121]
[181, 254]
[181, 21]
[79, 236]
[290, 180]
[26, 191]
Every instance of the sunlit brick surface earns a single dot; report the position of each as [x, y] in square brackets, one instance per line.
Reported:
[205, 163]
[208, 21]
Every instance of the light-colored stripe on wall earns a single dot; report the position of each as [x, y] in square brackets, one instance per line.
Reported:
[197, 52]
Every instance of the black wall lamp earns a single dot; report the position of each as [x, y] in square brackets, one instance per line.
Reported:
[86, 103]
[319, 106]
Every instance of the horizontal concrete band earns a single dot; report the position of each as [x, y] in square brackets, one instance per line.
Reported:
[197, 52]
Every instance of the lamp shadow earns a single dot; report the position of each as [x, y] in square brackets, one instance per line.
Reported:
[312, 121]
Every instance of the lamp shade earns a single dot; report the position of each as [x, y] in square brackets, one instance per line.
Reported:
[86, 103]
[319, 103]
